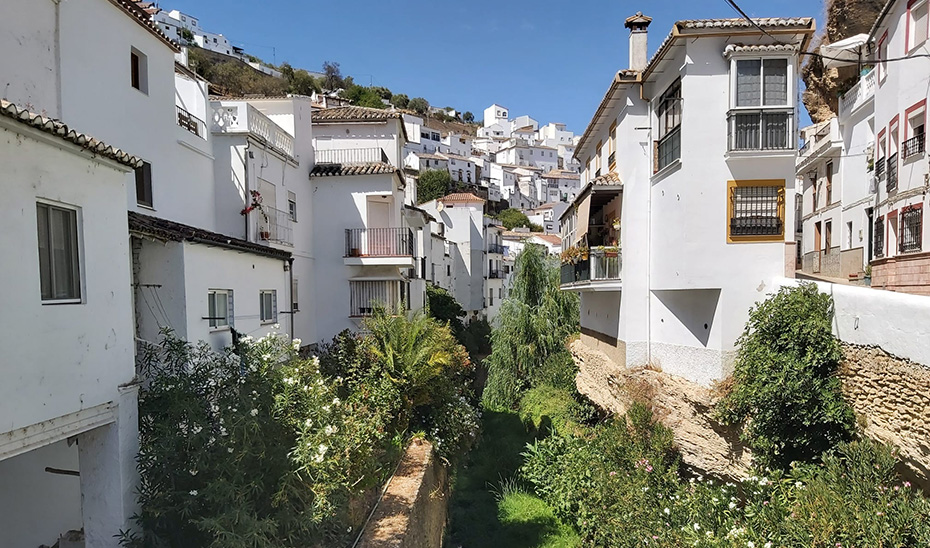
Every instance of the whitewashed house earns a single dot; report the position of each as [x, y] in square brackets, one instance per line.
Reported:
[185, 29]
[495, 114]
[68, 396]
[367, 244]
[494, 269]
[687, 163]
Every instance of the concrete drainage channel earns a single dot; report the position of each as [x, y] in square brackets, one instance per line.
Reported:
[411, 512]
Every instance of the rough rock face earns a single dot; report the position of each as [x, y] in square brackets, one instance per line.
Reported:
[683, 406]
[891, 397]
[845, 18]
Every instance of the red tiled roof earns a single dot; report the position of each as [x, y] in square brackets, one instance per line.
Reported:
[163, 229]
[62, 131]
[461, 197]
[607, 179]
[354, 114]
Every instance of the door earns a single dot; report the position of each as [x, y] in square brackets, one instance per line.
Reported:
[870, 222]
[816, 266]
[379, 240]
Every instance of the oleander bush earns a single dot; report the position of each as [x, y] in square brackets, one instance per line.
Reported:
[261, 447]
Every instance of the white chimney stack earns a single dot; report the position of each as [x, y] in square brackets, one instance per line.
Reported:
[639, 54]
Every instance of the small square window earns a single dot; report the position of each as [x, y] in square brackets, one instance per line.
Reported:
[219, 308]
[59, 265]
[294, 299]
[292, 206]
[144, 185]
[269, 305]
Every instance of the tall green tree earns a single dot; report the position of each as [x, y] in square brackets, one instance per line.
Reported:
[400, 100]
[433, 184]
[468, 117]
[418, 105]
[533, 327]
[513, 218]
[333, 75]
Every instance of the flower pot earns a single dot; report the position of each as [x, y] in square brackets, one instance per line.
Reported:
[265, 235]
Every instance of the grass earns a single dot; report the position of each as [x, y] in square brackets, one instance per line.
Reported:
[519, 519]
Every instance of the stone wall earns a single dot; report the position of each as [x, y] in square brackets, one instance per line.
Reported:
[891, 397]
[412, 512]
[903, 273]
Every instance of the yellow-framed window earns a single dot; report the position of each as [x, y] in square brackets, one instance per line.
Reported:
[756, 211]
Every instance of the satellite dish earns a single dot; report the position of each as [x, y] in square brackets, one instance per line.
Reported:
[440, 207]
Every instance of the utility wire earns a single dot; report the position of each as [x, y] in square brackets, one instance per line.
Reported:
[740, 11]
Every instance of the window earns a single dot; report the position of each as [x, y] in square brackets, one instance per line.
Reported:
[828, 236]
[448, 269]
[268, 305]
[144, 185]
[762, 113]
[292, 206]
[668, 147]
[829, 193]
[917, 21]
[490, 297]
[914, 129]
[597, 159]
[59, 265]
[220, 308]
[138, 66]
[756, 211]
[878, 244]
[880, 152]
[911, 228]
[882, 57]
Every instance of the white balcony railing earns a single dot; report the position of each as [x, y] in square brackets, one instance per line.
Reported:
[858, 94]
[351, 156]
[274, 225]
[241, 117]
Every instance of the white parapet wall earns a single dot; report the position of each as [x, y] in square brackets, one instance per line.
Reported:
[899, 323]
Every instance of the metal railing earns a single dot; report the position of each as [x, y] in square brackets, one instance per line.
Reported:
[767, 129]
[880, 168]
[494, 274]
[241, 117]
[379, 242]
[892, 182]
[274, 225]
[878, 243]
[914, 145]
[191, 123]
[365, 296]
[351, 156]
[599, 266]
[668, 149]
[496, 249]
[858, 94]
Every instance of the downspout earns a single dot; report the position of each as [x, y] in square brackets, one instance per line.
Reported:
[290, 291]
[58, 113]
[245, 164]
[650, 144]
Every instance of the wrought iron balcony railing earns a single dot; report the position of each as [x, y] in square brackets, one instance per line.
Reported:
[274, 225]
[892, 183]
[496, 249]
[379, 242]
[191, 123]
[914, 145]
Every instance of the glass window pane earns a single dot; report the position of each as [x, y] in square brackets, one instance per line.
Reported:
[775, 72]
[748, 92]
[211, 308]
[63, 243]
[221, 310]
[45, 267]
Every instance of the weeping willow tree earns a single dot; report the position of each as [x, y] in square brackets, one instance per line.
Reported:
[534, 323]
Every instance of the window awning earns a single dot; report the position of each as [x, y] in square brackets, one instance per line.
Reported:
[844, 53]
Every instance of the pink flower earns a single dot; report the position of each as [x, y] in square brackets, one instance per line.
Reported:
[907, 484]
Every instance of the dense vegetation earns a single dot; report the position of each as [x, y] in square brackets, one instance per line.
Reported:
[267, 448]
[514, 218]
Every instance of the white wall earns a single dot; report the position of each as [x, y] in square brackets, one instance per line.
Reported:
[385, 135]
[30, 77]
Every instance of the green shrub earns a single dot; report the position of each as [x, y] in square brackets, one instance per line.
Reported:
[547, 408]
[786, 396]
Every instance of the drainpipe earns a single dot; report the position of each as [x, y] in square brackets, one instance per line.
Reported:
[290, 291]
[245, 163]
[649, 244]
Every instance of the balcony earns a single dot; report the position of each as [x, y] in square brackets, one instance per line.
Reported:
[880, 168]
[367, 295]
[494, 274]
[349, 156]
[760, 130]
[858, 95]
[599, 272]
[892, 183]
[191, 123]
[274, 225]
[914, 145]
[379, 247]
[233, 117]
[496, 249]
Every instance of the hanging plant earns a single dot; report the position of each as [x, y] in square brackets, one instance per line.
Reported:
[256, 203]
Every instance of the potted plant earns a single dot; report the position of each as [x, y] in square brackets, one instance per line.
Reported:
[868, 275]
[264, 232]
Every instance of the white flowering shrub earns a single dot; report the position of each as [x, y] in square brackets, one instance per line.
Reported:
[256, 449]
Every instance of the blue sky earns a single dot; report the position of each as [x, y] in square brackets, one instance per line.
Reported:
[550, 59]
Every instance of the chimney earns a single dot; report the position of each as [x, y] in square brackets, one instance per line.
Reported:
[639, 55]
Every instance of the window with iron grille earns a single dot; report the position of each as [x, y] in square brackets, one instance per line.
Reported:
[911, 229]
[669, 117]
[892, 182]
[757, 211]
[878, 245]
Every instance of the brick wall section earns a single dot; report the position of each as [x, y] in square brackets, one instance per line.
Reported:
[903, 273]
[412, 512]
[891, 397]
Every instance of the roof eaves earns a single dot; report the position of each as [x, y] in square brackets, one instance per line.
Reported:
[881, 17]
[141, 16]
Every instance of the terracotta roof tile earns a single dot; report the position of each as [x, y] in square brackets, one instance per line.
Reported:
[607, 179]
[561, 174]
[461, 198]
[764, 22]
[163, 229]
[736, 48]
[61, 130]
[354, 114]
[345, 170]
[551, 238]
